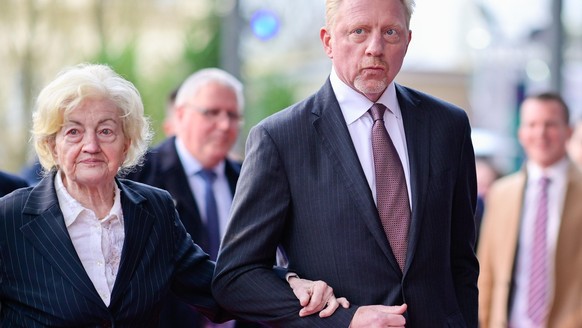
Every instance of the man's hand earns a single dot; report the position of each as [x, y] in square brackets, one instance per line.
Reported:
[371, 316]
[316, 296]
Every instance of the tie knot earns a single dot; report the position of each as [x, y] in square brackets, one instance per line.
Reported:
[377, 110]
[544, 181]
[208, 175]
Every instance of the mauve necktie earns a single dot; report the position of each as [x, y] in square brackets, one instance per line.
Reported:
[391, 191]
[211, 213]
[538, 271]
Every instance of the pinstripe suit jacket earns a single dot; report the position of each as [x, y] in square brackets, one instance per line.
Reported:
[302, 185]
[42, 280]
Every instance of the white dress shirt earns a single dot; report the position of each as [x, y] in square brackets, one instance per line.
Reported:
[354, 107]
[557, 174]
[98, 242]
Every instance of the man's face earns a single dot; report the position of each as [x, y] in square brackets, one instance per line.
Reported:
[543, 131]
[208, 123]
[367, 44]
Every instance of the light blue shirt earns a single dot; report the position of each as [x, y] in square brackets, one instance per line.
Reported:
[222, 192]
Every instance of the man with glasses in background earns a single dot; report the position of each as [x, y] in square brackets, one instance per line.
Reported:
[193, 166]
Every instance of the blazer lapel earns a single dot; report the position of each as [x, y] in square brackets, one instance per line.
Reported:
[175, 179]
[330, 125]
[176, 182]
[138, 223]
[47, 232]
[232, 172]
[417, 130]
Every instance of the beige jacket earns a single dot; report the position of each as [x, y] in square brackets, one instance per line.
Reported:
[497, 250]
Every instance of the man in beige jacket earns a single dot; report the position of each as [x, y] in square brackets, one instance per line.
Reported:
[511, 274]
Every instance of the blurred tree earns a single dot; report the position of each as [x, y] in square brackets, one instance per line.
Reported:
[199, 50]
[265, 95]
[16, 124]
[155, 44]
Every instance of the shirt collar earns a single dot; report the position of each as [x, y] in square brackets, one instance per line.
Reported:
[535, 172]
[72, 209]
[190, 164]
[354, 105]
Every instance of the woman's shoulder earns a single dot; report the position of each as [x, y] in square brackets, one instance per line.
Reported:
[11, 208]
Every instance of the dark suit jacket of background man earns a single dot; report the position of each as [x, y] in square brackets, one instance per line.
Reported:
[10, 182]
[302, 185]
[162, 168]
[44, 284]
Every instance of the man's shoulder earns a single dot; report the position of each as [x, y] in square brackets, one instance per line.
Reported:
[575, 173]
[294, 110]
[233, 164]
[161, 150]
[304, 111]
[508, 183]
[154, 160]
[138, 190]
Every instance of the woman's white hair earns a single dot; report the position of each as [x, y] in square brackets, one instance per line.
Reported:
[68, 90]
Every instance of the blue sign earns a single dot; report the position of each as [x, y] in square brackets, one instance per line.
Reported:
[265, 24]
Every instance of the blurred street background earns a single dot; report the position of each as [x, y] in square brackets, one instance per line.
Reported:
[483, 55]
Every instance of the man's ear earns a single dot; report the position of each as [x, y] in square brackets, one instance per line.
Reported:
[325, 37]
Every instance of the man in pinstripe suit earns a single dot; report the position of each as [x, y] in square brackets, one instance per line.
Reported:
[308, 184]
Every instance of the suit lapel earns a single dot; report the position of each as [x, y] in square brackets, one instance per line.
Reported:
[48, 234]
[138, 223]
[417, 130]
[176, 182]
[232, 172]
[330, 125]
[173, 174]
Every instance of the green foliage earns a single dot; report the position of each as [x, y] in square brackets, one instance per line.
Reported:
[269, 95]
[196, 57]
[264, 96]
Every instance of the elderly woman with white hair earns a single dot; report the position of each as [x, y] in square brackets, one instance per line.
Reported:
[84, 248]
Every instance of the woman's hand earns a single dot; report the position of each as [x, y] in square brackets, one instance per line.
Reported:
[316, 296]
